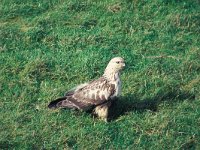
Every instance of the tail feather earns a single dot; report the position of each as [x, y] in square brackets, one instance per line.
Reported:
[54, 104]
[63, 102]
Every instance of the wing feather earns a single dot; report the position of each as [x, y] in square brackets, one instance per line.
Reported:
[88, 95]
[71, 92]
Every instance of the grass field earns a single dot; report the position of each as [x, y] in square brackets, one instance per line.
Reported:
[49, 46]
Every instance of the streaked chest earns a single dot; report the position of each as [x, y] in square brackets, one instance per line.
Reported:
[117, 84]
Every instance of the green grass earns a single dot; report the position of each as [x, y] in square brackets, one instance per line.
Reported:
[48, 47]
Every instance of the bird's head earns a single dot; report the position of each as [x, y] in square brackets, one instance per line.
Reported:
[115, 65]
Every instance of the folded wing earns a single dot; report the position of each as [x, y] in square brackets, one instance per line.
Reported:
[86, 96]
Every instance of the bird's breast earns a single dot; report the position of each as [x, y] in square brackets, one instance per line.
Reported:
[117, 88]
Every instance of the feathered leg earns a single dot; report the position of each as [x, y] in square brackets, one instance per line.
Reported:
[102, 111]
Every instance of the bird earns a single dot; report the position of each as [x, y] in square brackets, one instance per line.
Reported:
[98, 94]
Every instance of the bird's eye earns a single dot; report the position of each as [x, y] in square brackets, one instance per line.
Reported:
[117, 62]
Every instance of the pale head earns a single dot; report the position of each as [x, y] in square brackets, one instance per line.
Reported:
[114, 66]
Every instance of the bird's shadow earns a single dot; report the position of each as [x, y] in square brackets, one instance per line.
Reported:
[129, 103]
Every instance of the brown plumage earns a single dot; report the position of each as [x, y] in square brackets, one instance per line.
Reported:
[97, 94]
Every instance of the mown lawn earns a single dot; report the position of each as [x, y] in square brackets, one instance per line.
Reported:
[49, 46]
